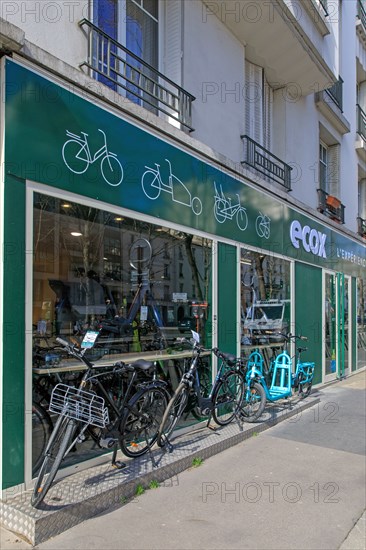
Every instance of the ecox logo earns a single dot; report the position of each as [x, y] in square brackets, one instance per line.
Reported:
[312, 239]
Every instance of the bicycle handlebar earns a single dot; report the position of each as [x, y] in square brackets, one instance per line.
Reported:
[290, 336]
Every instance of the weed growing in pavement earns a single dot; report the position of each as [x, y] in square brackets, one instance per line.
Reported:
[154, 484]
[197, 461]
[140, 489]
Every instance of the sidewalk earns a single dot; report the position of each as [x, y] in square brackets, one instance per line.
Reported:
[298, 485]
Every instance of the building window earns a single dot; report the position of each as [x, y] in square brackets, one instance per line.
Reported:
[323, 167]
[134, 24]
[258, 105]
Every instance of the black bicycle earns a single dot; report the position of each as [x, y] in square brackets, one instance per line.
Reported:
[224, 402]
[105, 408]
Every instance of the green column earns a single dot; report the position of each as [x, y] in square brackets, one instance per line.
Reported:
[227, 298]
[308, 313]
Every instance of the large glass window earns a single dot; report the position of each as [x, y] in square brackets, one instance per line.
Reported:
[139, 286]
[134, 282]
[265, 300]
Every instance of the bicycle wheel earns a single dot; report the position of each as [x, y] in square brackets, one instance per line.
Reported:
[41, 432]
[172, 413]
[75, 156]
[304, 387]
[141, 420]
[150, 184]
[228, 397]
[111, 170]
[55, 452]
[242, 219]
[254, 402]
[205, 376]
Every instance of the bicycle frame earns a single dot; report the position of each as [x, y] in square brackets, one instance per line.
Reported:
[85, 146]
[282, 371]
[118, 406]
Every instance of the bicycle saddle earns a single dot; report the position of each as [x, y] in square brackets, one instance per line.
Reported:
[143, 365]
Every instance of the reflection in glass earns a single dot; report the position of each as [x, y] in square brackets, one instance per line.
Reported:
[265, 298]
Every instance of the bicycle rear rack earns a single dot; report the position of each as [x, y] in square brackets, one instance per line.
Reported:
[83, 406]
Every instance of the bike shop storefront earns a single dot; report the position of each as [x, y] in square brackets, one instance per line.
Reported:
[142, 239]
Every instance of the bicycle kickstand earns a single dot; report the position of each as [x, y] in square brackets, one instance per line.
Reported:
[167, 444]
[117, 463]
[213, 428]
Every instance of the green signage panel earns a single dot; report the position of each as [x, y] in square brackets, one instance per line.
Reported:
[61, 139]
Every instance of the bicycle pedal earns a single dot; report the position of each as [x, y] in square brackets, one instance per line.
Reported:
[119, 465]
[213, 428]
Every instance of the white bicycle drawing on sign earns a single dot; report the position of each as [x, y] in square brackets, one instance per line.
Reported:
[77, 157]
[263, 225]
[153, 185]
[225, 210]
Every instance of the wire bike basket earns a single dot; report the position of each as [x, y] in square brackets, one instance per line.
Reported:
[83, 406]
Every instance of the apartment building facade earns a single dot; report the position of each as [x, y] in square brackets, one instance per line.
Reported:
[180, 161]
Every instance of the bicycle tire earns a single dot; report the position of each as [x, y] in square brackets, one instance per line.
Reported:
[141, 420]
[41, 433]
[228, 397]
[151, 191]
[117, 173]
[252, 410]
[78, 165]
[304, 390]
[172, 413]
[205, 376]
[55, 452]
[242, 219]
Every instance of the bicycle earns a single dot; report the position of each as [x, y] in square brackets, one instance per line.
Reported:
[224, 210]
[112, 414]
[152, 185]
[77, 157]
[280, 376]
[223, 403]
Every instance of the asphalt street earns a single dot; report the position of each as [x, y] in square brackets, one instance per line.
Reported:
[299, 485]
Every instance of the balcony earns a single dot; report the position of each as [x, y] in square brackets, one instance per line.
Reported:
[282, 37]
[267, 164]
[330, 103]
[126, 73]
[361, 227]
[330, 206]
[361, 21]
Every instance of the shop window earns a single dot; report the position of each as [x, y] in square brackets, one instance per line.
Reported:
[85, 260]
[265, 299]
[93, 270]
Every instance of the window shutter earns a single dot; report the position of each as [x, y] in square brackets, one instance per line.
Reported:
[173, 40]
[254, 102]
[333, 170]
[268, 113]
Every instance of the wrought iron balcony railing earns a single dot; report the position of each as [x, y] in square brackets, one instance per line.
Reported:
[266, 163]
[361, 13]
[361, 227]
[126, 73]
[330, 206]
[361, 122]
[335, 92]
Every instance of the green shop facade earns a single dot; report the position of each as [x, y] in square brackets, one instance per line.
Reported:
[109, 226]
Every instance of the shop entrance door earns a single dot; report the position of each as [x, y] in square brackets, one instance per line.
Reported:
[336, 325]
